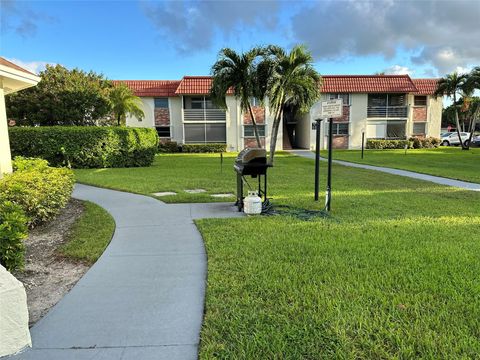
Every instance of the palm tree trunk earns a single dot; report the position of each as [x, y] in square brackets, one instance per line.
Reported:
[457, 120]
[473, 124]
[254, 123]
[273, 137]
[118, 119]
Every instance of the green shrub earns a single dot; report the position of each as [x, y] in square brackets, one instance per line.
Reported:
[425, 143]
[168, 147]
[86, 146]
[41, 191]
[204, 148]
[13, 229]
[388, 144]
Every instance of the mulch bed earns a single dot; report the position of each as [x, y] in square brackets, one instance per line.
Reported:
[48, 276]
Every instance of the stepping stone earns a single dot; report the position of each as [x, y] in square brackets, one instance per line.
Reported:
[195, 191]
[222, 195]
[164, 193]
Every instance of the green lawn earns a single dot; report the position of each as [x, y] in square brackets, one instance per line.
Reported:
[393, 273]
[90, 234]
[170, 172]
[450, 162]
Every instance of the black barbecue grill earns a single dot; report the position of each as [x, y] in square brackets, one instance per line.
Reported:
[253, 162]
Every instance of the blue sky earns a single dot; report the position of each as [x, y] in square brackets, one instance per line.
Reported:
[166, 40]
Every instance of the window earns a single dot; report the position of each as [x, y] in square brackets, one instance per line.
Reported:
[419, 128]
[344, 97]
[197, 103]
[377, 99]
[163, 131]
[395, 130]
[396, 99]
[338, 128]
[249, 132]
[255, 102]
[201, 133]
[161, 103]
[420, 101]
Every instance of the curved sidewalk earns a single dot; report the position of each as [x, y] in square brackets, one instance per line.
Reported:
[143, 299]
[411, 174]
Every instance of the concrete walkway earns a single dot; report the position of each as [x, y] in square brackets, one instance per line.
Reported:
[435, 179]
[143, 299]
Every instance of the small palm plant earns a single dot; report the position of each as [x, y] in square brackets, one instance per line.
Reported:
[291, 80]
[124, 103]
[237, 72]
[450, 86]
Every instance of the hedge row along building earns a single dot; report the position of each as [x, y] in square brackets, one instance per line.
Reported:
[381, 106]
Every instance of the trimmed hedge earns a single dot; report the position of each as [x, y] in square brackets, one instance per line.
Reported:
[168, 147]
[41, 191]
[86, 146]
[204, 148]
[425, 143]
[13, 230]
[387, 144]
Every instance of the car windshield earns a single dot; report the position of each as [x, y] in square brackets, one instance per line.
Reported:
[446, 134]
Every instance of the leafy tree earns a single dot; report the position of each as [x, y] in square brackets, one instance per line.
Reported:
[237, 72]
[290, 80]
[450, 86]
[62, 97]
[124, 102]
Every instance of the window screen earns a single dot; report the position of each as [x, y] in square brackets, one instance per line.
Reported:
[248, 130]
[194, 132]
[344, 97]
[377, 99]
[396, 99]
[161, 102]
[396, 131]
[216, 133]
[163, 131]
[420, 100]
[419, 128]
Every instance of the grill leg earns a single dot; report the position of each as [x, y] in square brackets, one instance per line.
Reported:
[239, 202]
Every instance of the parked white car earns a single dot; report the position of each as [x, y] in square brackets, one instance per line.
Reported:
[451, 138]
[476, 141]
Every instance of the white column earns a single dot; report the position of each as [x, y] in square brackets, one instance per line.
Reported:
[5, 155]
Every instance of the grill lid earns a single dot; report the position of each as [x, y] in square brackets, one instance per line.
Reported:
[249, 155]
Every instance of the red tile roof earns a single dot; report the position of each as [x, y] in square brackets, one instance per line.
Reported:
[425, 86]
[196, 85]
[368, 84]
[5, 62]
[151, 87]
[200, 85]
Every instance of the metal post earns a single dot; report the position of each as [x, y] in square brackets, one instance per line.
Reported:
[363, 142]
[317, 157]
[329, 174]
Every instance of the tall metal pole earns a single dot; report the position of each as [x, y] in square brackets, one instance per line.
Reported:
[317, 157]
[363, 142]
[329, 174]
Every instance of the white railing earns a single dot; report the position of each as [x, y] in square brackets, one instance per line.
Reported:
[387, 111]
[204, 115]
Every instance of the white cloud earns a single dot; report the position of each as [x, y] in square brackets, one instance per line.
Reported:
[32, 66]
[398, 70]
[442, 34]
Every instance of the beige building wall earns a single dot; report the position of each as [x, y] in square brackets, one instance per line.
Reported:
[5, 155]
[148, 109]
[434, 115]
[176, 116]
[234, 124]
[358, 119]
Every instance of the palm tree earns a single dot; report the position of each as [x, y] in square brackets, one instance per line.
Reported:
[449, 86]
[124, 102]
[237, 72]
[291, 80]
[471, 84]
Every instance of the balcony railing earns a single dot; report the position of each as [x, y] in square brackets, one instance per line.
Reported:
[204, 115]
[387, 111]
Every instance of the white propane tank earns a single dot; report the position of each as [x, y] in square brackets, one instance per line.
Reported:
[252, 204]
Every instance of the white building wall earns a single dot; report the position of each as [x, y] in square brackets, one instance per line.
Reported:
[358, 119]
[5, 155]
[434, 115]
[233, 125]
[148, 107]
[176, 115]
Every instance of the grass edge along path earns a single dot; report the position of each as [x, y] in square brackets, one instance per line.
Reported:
[90, 234]
[452, 163]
